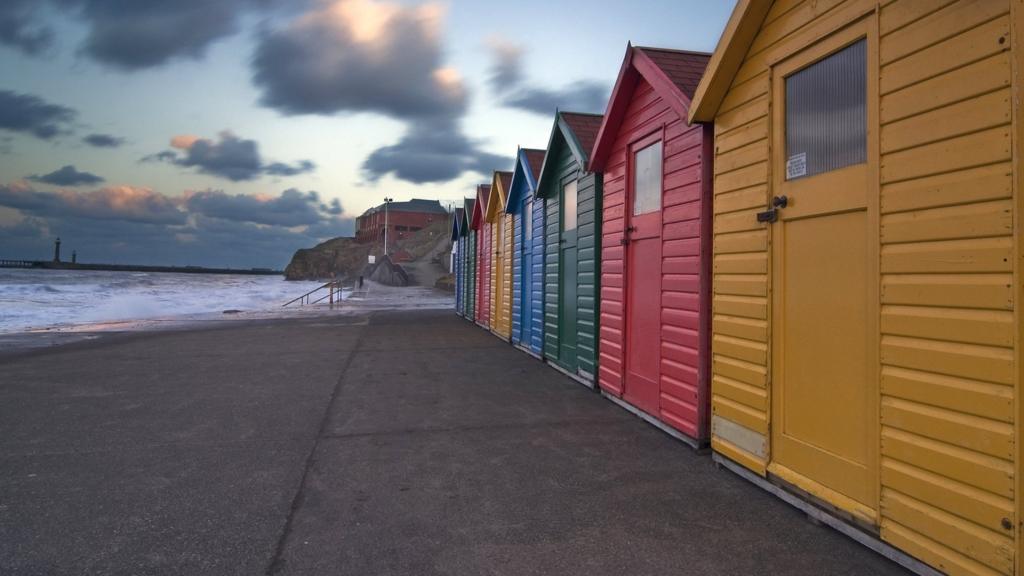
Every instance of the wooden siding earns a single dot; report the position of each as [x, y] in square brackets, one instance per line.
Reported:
[457, 272]
[495, 282]
[552, 233]
[505, 313]
[517, 276]
[947, 338]
[947, 374]
[537, 292]
[588, 252]
[683, 372]
[470, 283]
[484, 267]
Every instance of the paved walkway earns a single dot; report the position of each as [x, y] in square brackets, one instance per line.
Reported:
[366, 444]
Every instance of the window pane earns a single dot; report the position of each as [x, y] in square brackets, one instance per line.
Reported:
[647, 180]
[528, 220]
[826, 116]
[569, 206]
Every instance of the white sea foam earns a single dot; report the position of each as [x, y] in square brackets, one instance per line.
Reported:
[34, 299]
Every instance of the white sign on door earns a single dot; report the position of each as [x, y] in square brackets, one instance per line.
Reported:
[796, 166]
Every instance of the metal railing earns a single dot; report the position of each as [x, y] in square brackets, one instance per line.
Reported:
[334, 293]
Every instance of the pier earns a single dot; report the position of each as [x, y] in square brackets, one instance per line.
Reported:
[54, 265]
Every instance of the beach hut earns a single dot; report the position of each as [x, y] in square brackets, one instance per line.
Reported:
[456, 255]
[468, 260]
[483, 256]
[527, 251]
[866, 345]
[501, 255]
[656, 232]
[572, 221]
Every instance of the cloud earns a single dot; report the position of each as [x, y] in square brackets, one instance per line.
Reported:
[67, 176]
[136, 34]
[111, 203]
[291, 208]
[509, 83]
[103, 140]
[33, 115]
[19, 27]
[282, 169]
[230, 157]
[359, 56]
[431, 152]
[507, 68]
[131, 224]
[351, 56]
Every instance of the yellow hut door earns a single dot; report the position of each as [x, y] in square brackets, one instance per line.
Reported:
[499, 272]
[824, 284]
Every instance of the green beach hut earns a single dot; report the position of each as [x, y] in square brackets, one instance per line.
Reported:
[572, 238]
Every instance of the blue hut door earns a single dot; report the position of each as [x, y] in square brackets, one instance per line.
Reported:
[568, 278]
[526, 270]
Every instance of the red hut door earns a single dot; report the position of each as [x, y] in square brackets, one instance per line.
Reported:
[643, 275]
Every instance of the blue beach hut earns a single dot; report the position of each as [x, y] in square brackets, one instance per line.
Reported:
[528, 252]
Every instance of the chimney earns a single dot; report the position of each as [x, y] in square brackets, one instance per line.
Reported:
[56, 250]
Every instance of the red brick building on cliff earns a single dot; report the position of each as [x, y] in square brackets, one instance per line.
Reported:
[402, 218]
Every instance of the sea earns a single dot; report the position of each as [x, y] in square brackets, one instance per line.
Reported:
[55, 299]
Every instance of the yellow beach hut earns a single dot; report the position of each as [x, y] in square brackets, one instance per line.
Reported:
[867, 246]
[502, 237]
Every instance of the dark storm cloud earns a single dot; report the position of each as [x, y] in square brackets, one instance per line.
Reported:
[127, 224]
[230, 157]
[20, 29]
[33, 115]
[388, 58]
[508, 81]
[135, 34]
[103, 140]
[291, 208]
[67, 176]
[325, 62]
[431, 153]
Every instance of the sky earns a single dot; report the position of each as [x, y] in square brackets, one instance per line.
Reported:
[233, 132]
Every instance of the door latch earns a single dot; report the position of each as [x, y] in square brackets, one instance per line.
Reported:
[772, 214]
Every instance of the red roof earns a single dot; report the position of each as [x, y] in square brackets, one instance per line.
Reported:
[683, 68]
[535, 158]
[480, 206]
[673, 74]
[506, 180]
[585, 127]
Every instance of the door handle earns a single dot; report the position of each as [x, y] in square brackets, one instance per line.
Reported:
[780, 201]
[630, 228]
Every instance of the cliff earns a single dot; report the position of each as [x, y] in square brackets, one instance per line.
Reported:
[338, 257]
[345, 258]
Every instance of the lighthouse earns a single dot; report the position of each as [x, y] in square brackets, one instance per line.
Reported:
[56, 250]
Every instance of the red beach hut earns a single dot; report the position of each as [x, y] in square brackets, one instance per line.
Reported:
[655, 249]
[483, 255]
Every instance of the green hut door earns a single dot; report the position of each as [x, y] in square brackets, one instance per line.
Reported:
[567, 277]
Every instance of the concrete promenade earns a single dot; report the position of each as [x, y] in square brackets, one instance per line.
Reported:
[372, 443]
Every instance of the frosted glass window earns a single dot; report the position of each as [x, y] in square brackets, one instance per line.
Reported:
[528, 220]
[569, 206]
[826, 114]
[647, 179]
